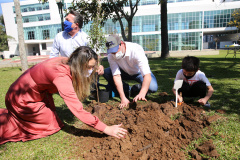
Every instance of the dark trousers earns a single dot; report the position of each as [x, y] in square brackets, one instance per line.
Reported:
[197, 89]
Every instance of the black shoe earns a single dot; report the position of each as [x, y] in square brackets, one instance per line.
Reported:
[207, 105]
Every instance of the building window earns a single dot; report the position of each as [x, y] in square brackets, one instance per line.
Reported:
[35, 18]
[46, 7]
[25, 20]
[46, 34]
[47, 17]
[31, 35]
[31, 9]
[24, 10]
[39, 8]
[44, 46]
[59, 30]
[40, 18]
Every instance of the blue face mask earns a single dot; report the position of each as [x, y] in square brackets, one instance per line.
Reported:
[68, 26]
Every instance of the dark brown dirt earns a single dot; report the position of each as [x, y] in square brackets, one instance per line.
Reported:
[156, 131]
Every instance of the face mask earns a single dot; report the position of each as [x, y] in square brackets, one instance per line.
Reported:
[189, 77]
[68, 26]
[118, 55]
[89, 73]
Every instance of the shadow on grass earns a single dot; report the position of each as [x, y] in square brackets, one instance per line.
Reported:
[82, 132]
[68, 118]
[223, 74]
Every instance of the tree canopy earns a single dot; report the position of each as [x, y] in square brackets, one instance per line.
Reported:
[235, 22]
[110, 9]
[3, 36]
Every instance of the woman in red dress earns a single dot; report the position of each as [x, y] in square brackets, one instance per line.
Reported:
[31, 112]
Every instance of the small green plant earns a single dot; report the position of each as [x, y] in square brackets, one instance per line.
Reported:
[97, 39]
[176, 116]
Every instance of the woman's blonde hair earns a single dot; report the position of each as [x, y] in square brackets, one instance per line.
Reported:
[78, 62]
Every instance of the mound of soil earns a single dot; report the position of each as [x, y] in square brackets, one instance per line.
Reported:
[156, 131]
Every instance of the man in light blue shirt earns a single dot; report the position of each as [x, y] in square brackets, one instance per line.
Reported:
[64, 44]
[71, 38]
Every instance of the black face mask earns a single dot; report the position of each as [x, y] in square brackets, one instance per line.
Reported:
[189, 77]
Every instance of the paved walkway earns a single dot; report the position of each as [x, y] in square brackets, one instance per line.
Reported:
[32, 60]
[184, 53]
[16, 62]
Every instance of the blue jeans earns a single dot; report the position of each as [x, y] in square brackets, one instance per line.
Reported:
[125, 76]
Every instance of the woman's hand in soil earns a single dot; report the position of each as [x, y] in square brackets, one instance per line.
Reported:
[115, 131]
[124, 103]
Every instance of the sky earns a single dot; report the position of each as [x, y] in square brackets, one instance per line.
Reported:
[5, 1]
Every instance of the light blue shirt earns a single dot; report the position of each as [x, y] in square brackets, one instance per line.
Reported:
[65, 44]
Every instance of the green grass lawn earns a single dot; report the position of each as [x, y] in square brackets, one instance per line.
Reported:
[223, 73]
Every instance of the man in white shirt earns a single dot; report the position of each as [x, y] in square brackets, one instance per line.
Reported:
[128, 61]
[71, 38]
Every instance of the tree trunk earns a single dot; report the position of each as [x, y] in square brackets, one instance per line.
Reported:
[130, 30]
[22, 50]
[164, 30]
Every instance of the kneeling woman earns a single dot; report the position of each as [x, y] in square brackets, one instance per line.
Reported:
[31, 112]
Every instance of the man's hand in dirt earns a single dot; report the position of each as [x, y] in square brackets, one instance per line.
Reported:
[139, 97]
[124, 103]
[100, 70]
[202, 101]
[115, 131]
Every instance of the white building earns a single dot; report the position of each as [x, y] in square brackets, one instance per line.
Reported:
[192, 25]
[41, 22]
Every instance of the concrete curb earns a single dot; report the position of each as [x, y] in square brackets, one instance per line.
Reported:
[6, 65]
[183, 53]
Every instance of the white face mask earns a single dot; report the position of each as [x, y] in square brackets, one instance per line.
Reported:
[89, 73]
[118, 55]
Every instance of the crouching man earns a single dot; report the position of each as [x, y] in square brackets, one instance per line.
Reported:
[128, 61]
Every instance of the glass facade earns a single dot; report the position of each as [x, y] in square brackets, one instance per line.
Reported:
[36, 18]
[150, 2]
[150, 42]
[186, 28]
[218, 18]
[186, 22]
[177, 41]
[151, 23]
[41, 32]
[33, 7]
[176, 1]
[184, 41]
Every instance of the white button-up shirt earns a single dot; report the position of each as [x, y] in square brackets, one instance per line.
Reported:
[134, 61]
[65, 44]
[199, 76]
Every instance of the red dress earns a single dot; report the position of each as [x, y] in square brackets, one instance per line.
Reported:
[30, 112]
